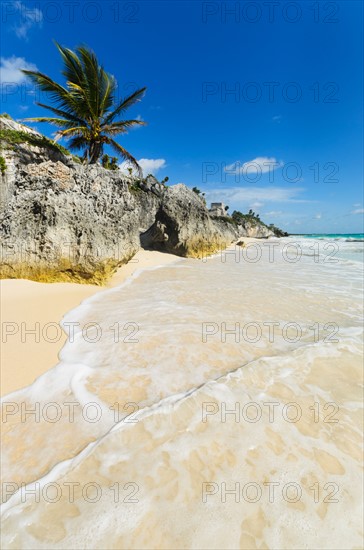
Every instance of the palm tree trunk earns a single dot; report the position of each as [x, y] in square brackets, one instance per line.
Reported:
[94, 152]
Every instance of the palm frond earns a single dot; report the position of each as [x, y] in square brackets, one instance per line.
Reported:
[107, 91]
[125, 155]
[76, 130]
[75, 75]
[57, 93]
[125, 104]
[62, 123]
[121, 127]
[72, 71]
[65, 114]
[91, 69]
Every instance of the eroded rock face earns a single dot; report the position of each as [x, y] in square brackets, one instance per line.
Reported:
[259, 231]
[184, 227]
[64, 221]
[61, 222]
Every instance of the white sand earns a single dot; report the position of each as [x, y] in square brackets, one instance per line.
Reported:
[25, 303]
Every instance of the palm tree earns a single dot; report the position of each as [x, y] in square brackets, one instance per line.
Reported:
[86, 108]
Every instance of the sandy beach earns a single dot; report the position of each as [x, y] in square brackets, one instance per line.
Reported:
[205, 392]
[26, 354]
[192, 407]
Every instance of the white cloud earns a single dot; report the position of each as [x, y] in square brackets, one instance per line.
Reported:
[274, 213]
[149, 166]
[358, 211]
[256, 204]
[277, 118]
[259, 165]
[10, 72]
[317, 216]
[29, 17]
[260, 194]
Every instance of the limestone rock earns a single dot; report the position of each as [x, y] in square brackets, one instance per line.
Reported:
[183, 226]
[64, 221]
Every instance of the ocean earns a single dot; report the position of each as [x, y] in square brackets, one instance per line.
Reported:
[207, 404]
[352, 249]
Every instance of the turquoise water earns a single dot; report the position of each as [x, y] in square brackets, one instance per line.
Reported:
[338, 236]
[339, 246]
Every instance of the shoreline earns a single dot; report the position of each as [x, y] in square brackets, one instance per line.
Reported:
[162, 389]
[31, 311]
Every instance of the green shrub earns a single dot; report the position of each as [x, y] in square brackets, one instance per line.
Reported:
[110, 163]
[135, 188]
[2, 165]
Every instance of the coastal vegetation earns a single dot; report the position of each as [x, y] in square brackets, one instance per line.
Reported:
[86, 109]
[227, 219]
[10, 138]
[239, 218]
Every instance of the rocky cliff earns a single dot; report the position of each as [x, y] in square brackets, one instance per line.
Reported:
[63, 221]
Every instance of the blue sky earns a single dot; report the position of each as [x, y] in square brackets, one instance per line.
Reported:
[258, 104]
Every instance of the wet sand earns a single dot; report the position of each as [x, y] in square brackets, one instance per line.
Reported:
[26, 355]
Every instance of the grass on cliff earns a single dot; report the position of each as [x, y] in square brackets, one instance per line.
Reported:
[251, 217]
[226, 219]
[17, 137]
[238, 218]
